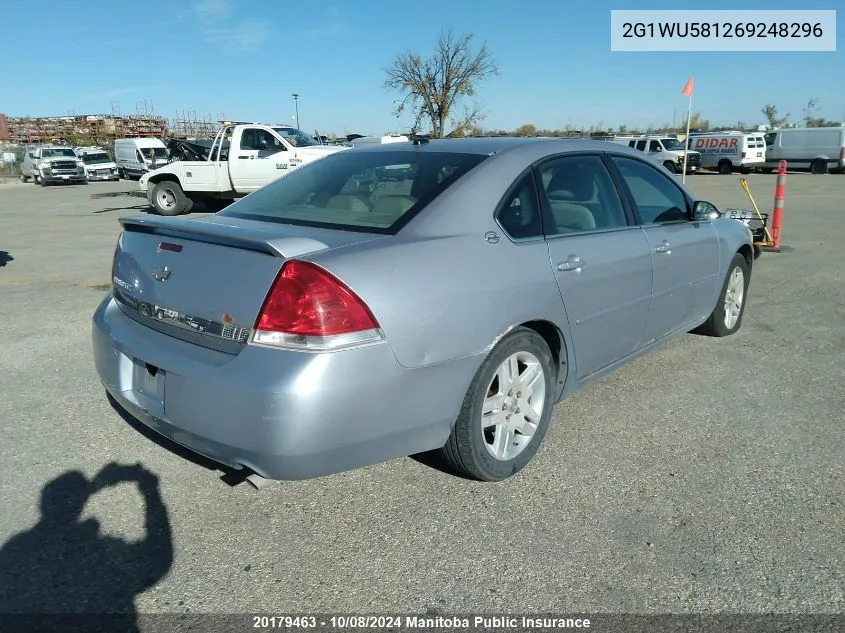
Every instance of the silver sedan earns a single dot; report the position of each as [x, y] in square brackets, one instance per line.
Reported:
[402, 298]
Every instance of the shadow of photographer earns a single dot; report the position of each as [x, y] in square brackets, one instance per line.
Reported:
[64, 566]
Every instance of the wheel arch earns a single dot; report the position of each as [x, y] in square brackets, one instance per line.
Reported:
[747, 251]
[157, 178]
[556, 341]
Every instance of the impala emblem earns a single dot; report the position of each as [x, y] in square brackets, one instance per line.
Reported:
[162, 273]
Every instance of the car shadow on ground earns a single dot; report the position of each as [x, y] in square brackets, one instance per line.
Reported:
[146, 208]
[434, 460]
[135, 207]
[5, 258]
[65, 574]
[229, 476]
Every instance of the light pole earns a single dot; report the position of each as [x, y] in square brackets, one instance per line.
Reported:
[296, 105]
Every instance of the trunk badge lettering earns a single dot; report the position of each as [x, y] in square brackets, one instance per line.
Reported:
[162, 273]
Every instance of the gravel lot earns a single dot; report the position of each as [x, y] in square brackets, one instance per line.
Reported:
[707, 476]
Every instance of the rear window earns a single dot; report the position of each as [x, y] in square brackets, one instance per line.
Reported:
[373, 192]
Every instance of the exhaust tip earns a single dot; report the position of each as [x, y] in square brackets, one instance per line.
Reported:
[258, 482]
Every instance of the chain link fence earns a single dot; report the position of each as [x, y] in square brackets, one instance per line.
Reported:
[11, 157]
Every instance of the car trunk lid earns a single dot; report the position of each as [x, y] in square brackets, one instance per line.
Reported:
[205, 280]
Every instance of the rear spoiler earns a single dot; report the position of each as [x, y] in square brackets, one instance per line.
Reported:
[222, 235]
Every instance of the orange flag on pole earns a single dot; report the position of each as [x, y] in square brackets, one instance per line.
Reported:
[687, 91]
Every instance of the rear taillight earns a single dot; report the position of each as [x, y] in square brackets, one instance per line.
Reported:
[842, 153]
[114, 258]
[309, 308]
[743, 154]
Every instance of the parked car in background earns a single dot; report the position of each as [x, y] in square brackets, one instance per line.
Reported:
[727, 152]
[819, 149]
[315, 326]
[49, 164]
[98, 164]
[136, 156]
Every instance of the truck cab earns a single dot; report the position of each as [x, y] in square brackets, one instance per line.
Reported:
[242, 158]
[668, 151]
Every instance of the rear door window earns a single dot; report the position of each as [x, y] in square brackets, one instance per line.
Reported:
[579, 195]
[369, 191]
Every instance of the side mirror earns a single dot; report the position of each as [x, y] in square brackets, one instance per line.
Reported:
[704, 211]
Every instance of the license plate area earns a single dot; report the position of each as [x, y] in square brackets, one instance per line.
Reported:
[148, 385]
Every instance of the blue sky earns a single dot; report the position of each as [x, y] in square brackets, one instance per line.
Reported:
[244, 59]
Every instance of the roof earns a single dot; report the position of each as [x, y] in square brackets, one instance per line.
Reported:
[488, 145]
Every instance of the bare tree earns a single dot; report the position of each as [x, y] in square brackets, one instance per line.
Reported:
[432, 88]
[810, 118]
[771, 114]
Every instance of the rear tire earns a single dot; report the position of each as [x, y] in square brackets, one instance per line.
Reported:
[168, 199]
[725, 168]
[818, 167]
[726, 318]
[506, 410]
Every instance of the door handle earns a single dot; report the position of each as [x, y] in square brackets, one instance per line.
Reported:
[244, 156]
[573, 262]
[663, 247]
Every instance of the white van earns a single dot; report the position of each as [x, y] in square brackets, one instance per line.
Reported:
[819, 149]
[137, 156]
[387, 138]
[98, 163]
[726, 152]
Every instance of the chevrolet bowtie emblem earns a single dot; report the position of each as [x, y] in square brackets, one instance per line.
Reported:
[162, 273]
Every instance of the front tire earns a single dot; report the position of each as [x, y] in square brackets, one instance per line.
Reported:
[168, 199]
[668, 164]
[726, 318]
[506, 411]
[818, 167]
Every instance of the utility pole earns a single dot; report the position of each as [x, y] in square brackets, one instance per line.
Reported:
[296, 105]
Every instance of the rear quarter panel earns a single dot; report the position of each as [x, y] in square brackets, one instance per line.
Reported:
[448, 297]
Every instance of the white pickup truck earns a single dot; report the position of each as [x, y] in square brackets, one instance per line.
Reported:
[242, 158]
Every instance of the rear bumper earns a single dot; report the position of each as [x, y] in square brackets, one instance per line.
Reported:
[281, 414]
